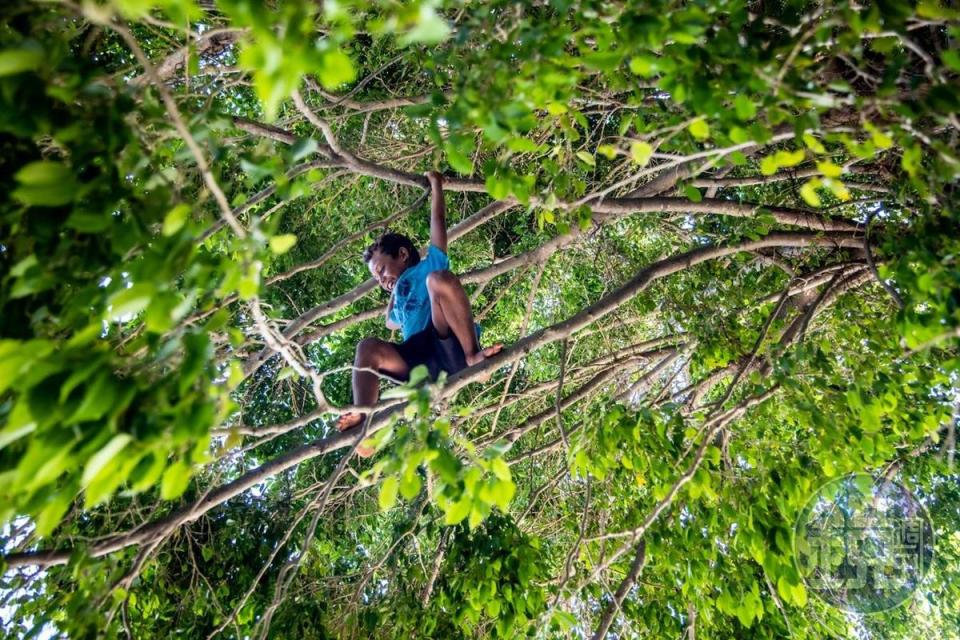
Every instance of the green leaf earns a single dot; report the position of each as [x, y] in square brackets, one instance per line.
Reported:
[871, 418]
[607, 150]
[457, 511]
[520, 144]
[87, 222]
[446, 465]
[768, 165]
[147, 472]
[402, 391]
[249, 284]
[829, 169]
[838, 189]
[643, 65]
[936, 10]
[584, 218]
[175, 480]
[699, 129]
[813, 144]
[112, 475]
[879, 138]
[476, 517]
[302, 148]
[336, 68]
[20, 423]
[744, 107]
[129, 301]
[757, 550]
[607, 61]
[45, 460]
[587, 158]
[497, 449]
[500, 468]
[790, 158]
[53, 511]
[497, 187]
[16, 356]
[98, 399]
[460, 162]
[784, 587]
[410, 484]
[163, 312]
[418, 375]
[809, 192]
[714, 454]
[282, 243]
[43, 173]
[745, 615]
[693, 194]
[641, 152]
[254, 170]
[388, 493]
[726, 603]
[19, 269]
[799, 593]
[503, 492]
[739, 135]
[246, 614]
[566, 621]
[431, 28]
[45, 184]
[100, 459]
[952, 59]
[912, 158]
[175, 219]
[19, 60]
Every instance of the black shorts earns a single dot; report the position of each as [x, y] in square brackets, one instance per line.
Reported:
[439, 354]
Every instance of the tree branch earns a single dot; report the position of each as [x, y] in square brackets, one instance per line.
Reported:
[639, 560]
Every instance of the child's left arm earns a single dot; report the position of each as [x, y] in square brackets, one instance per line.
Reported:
[393, 326]
[438, 212]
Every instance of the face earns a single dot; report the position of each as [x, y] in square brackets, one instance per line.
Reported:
[386, 269]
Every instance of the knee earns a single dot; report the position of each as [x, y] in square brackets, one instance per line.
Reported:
[440, 280]
[369, 350]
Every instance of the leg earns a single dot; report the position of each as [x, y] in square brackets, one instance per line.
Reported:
[450, 312]
[380, 356]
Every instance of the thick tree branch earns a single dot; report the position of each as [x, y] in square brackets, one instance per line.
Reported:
[783, 215]
[639, 560]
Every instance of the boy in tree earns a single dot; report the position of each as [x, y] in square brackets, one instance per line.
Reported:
[427, 303]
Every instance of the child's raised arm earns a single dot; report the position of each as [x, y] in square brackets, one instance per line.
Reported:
[438, 212]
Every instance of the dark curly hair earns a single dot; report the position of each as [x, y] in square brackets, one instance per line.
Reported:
[390, 243]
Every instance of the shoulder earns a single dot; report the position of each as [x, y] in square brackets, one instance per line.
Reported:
[436, 255]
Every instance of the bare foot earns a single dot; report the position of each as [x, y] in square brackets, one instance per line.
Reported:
[365, 452]
[351, 421]
[482, 355]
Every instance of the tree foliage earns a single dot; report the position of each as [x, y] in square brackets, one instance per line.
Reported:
[718, 239]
